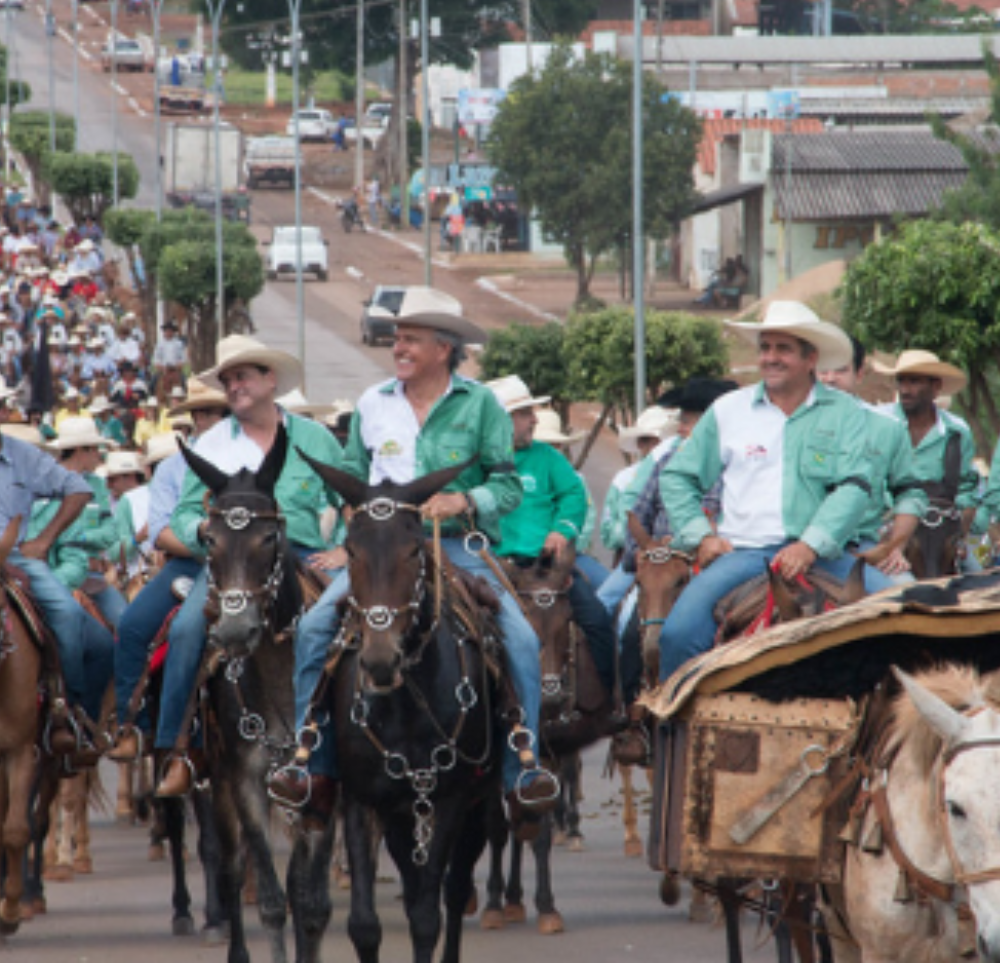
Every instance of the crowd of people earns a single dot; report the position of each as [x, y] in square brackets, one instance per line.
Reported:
[793, 471]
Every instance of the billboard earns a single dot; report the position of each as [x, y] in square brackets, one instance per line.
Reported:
[479, 106]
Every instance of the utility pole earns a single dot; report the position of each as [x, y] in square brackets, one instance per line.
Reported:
[526, 17]
[401, 115]
[76, 68]
[295, 8]
[359, 97]
[8, 68]
[114, 103]
[50, 34]
[425, 135]
[637, 231]
[215, 8]
[156, 7]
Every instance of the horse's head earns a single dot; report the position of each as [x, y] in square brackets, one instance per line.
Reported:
[245, 540]
[544, 590]
[389, 566]
[661, 572]
[967, 766]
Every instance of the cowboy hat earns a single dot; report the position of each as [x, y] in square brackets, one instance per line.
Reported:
[161, 446]
[199, 396]
[238, 349]
[549, 429]
[341, 407]
[791, 317]
[100, 404]
[86, 245]
[124, 463]
[654, 422]
[298, 404]
[423, 307]
[5, 391]
[698, 394]
[513, 393]
[27, 433]
[78, 432]
[178, 393]
[926, 363]
[182, 421]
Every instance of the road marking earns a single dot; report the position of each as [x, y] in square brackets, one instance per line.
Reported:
[134, 104]
[355, 273]
[487, 285]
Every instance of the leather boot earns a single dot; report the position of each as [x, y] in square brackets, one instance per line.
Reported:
[633, 747]
[126, 747]
[181, 774]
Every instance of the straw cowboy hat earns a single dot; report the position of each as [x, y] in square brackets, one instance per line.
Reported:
[124, 463]
[26, 433]
[790, 317]
[424, 307]
[238, 349]
[78, 433]
[513, 393]
[341, 407]
[298, 404]
[86, 246]
[199, 396]
[161, 446]
[928, 364]
[654, 422]
[549, 429]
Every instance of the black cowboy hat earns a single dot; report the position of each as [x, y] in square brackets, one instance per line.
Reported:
[698, 394]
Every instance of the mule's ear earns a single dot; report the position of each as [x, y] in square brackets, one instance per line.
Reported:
[637, 531]
[420, 489]
[949, 724]
[270, 470]
[351, 489]
[215, 478]
[784, 601]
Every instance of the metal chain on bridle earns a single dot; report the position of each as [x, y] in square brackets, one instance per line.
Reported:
[661, 555]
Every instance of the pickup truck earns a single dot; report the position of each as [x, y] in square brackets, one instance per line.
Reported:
[269, 160]
[281, 258]
[128, 54]
[372, 131]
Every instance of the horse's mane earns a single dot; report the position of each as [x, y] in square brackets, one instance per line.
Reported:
[961, 686]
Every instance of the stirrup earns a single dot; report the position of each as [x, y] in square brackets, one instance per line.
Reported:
[290, 770]
[520, 784]
[71, 723]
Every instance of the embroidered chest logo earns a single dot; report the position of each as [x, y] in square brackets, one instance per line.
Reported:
[528, 483]
[756, 452]
[390, 449]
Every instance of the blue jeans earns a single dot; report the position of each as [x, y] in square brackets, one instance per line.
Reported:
[138, 627]
[320, 624]
[86, 648]
[597, 627]
[592, 570]
[615, 587]
[111, 604]
[690, 628]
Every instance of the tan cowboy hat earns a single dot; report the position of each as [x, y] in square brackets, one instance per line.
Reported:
[178, 393]
[549, 429]
[424, 307]
[514, 394]
[238, 349]
[653, 422]
[917, 362]
[341, 406]
[199, 395]
[298, 404]
[182, 421]
[26, 433]
[124, 463]
[100, 404]
[161, 446]
[79, 433]
[792, 317]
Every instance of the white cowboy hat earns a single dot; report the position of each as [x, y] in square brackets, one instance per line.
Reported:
[95, 343]
[424, 307]
[70, 393]
[653, 422]
[27, 433]
[513, 393]
[199, 395]
[5, 390]
[60, 277]
[86, 245]
[791, 317]
[178, 393]
[78, 432]
[341, 406]
[549, 429]
[298, 404]
[100, 404]
[238, 349]
[182, 421]
[149, 402]
[124, 463]
[917, 362]
[161, 446]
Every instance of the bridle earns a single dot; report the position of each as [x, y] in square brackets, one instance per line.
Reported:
[661, 555]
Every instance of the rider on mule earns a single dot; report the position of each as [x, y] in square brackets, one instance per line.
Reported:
[144, 617]
[550, 518]
[252, 376]
[888, 446]
[795, 482]
[26, 474]
[425, 419]
[921, 380]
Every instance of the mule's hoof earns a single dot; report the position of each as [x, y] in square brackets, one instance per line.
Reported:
[472, 906]
[577, 845]
[25, 911]
[514, 913]
[182, 926]
[60, 873]
[560, 838]
[670, 889]
[551, 923]
[83, 865]
[492, 919]
[157, 853]
[9, 928]
[633, 848]
[10, 918]
[214, 935]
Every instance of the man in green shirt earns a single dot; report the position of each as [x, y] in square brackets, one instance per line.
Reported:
[550, 517]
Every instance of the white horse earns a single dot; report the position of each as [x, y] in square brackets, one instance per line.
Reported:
[923, 886]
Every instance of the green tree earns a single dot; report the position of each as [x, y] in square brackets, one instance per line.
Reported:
[562, 139]
[126, 227]
[934, 285]
[86, 181]
[29, 136]
[20, 91]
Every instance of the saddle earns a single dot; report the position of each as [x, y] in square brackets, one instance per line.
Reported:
[14, 581]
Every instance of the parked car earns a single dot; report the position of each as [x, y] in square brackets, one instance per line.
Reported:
[128, 52]
[313, 124]
[11, 4]
[378, 320]
[378, 111]
[281, 258]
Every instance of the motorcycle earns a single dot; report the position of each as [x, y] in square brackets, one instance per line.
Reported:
[350, 216]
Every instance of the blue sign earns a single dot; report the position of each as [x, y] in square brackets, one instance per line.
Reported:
[783, 104]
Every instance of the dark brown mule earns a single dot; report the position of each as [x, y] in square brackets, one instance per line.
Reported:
[576, 713]
[20, 669]
[933, 551]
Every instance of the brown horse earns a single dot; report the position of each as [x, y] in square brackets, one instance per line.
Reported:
[576, 713]
[20, 670]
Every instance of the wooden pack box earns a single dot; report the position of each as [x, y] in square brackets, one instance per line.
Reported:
[735, 800]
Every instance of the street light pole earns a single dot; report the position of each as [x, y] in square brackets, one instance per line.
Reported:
[8, 68]
[425, 136]
[295, 8]
[76, 68]
[359, 97]
[114, 103]
[157, 9]
[215, 8]
[50, 32]
[637, 235]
